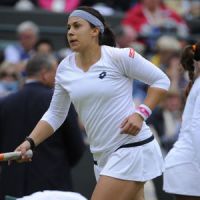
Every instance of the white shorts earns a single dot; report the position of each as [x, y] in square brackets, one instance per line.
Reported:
[141, 163]
[183, 179]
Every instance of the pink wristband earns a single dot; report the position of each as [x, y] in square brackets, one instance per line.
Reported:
[144, 111]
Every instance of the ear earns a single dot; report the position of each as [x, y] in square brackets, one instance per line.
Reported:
[95, 31]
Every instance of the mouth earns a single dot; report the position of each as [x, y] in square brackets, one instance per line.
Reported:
[73, 42]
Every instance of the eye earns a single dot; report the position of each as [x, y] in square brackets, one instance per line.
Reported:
[77, 25]
[68, 27]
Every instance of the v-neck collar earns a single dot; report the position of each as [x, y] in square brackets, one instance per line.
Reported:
[91, 67]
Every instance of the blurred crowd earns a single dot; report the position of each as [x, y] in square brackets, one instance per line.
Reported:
[157, 29]
[186, 8]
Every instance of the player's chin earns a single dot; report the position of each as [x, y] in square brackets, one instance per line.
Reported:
[75, 48]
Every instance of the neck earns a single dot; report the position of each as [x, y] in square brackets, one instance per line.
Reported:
[87, 58]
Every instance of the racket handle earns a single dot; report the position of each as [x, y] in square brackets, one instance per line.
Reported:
[15, 155]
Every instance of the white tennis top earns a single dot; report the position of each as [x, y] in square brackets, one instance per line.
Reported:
[187, 147]
[102, 96]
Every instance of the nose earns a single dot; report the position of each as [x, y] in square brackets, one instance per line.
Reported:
[70, 31]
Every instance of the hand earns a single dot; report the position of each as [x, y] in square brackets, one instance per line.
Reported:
[132, 124]
[23, 148]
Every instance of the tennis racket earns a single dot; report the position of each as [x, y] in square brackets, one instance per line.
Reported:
[15, 155]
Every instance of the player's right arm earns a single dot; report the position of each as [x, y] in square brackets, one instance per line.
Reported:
[51, 120]
[42, 131]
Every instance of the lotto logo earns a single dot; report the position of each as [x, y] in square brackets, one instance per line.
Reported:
[102, 75]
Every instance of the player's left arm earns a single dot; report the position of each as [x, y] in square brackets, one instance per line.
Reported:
[134, 66]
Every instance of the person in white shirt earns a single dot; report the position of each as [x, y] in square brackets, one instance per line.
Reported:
[97, 79]
[182, 173]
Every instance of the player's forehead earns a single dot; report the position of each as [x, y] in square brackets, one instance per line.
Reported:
[73, 20]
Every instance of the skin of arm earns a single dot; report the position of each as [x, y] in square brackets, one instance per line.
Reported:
[41, 132]
[154, 97]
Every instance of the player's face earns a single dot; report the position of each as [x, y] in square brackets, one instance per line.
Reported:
[79, 34]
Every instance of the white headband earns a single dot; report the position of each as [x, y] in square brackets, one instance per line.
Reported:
[88, 17]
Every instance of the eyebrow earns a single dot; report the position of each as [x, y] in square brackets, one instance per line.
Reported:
[76, 22]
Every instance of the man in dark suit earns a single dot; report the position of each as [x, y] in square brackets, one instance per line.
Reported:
[52, 160]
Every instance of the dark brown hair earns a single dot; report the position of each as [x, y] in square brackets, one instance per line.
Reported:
[107, 37]
[188, 55]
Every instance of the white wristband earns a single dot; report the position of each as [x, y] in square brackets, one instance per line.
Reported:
[144, 111]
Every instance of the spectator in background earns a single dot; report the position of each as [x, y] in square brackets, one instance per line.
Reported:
[123, 40]
[176, 74]
[19, 113]
[187, 8]
[149, 18]
[9, 79]
[44, 46]
[167, 58]
[165, 47]
[194, 10]
[28, 33]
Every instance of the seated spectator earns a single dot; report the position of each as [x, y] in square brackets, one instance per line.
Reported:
[150, 18]
[20, 52]
[187, 8]
[176, 74]
[44, 46]
[9, 79]
[194, 10]
[122, 39]
[165, 47]
[24, 5]
[167, 58]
